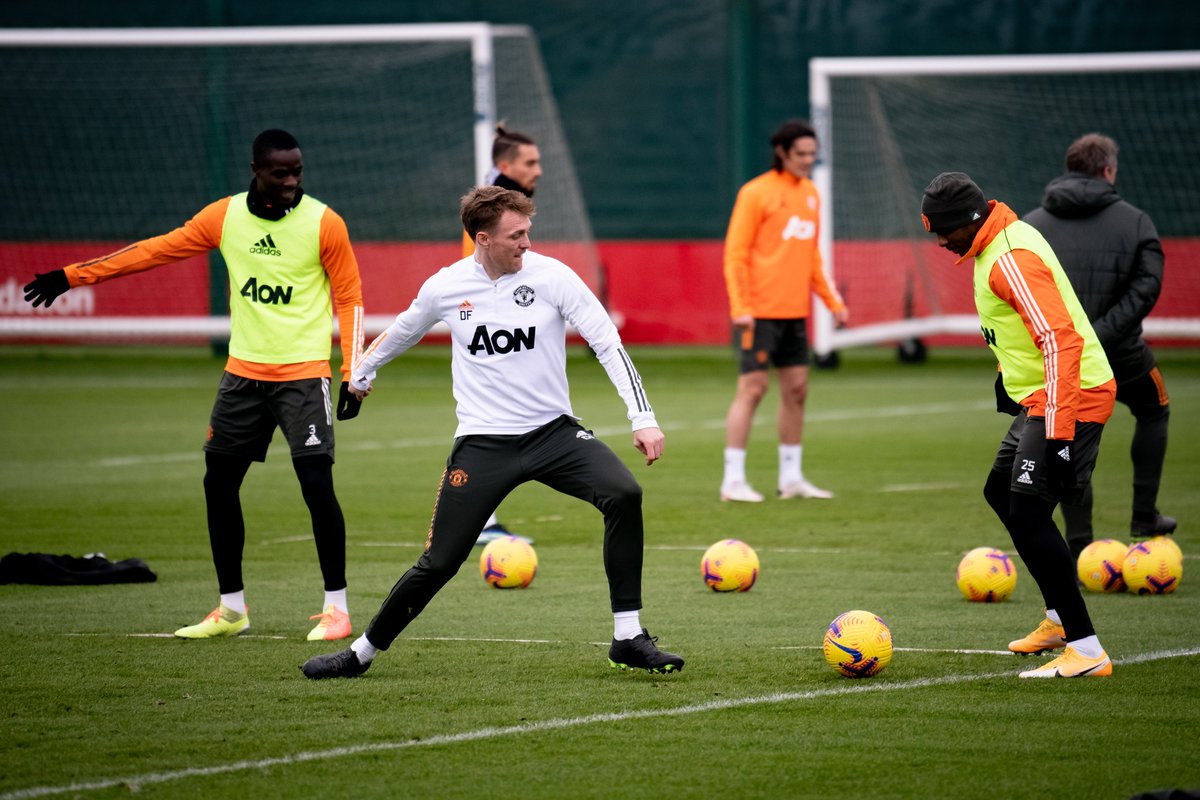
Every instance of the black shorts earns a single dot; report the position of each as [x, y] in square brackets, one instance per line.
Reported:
[1024, 448]
[776, 342]
[247, 412]
[1146, 393]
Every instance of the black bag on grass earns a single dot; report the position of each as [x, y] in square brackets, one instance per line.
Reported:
[48, 570]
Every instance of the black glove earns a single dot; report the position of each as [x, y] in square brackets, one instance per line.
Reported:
[1060, 468]
[348, 404]
[46, 287]
[1004, 403]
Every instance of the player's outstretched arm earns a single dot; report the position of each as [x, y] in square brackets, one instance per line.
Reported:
[649, 441]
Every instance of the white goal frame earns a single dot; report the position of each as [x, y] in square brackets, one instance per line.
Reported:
[826, 337]
[479, 35]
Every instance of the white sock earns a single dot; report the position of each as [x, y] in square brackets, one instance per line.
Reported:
[789, 464]
[365, 651]
[492, 520]
[735, 465]
[626, 624]
[235, 601]
[337, 600]
[1052, 615]
[1088, 646]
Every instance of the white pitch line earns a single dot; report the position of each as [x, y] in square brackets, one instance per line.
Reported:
[700, 548]
[172, 636]
[919, 487]
[135, 782]
[304, 538]
[906, 650]
[712, 424]
[474, 639]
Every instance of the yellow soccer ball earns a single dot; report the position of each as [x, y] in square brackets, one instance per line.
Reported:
[730, 565]
[1099, 566]
[508, 563]
[986, 575]
[858, 644]
[1154, 566]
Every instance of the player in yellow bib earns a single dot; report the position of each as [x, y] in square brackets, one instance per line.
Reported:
[286, 252]
[1057, 382]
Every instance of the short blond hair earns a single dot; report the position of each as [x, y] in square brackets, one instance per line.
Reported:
[482, 207]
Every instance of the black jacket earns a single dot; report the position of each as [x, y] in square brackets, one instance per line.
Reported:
[1113, 258]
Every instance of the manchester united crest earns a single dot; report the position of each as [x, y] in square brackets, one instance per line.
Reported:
[458, 478]
[523, 296]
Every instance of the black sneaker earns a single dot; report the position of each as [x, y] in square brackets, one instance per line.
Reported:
[342, 664]
[1158, 526]
[640, 653]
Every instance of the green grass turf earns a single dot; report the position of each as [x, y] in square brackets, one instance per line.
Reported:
[101, 452]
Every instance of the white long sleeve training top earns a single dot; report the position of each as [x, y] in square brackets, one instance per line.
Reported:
[509, 350]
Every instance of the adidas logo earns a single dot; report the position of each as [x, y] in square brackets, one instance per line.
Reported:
[583, 435]
[975, 216]
[1025, 479]
[1065, 454]
[312, 440]
[265, 247]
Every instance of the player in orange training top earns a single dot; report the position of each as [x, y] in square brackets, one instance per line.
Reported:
[772, 267]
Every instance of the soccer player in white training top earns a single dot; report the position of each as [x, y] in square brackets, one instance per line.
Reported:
[508, 308]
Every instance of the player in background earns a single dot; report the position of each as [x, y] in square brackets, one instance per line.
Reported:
[1053, 366]
[1111, 253]
[517, 165]
[285, 250]
[772, 267]
[508, 309]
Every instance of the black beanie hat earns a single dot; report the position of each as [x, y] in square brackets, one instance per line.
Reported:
[951, 201]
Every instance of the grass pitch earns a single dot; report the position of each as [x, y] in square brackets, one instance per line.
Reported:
[510, 693]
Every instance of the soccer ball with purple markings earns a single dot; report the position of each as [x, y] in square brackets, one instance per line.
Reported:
[508, 563]
[730, 565]
[1099, 566]
[858, 644]
[1154, 566]
[986, 575]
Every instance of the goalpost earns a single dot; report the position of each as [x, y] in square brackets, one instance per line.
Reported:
[887, 126]
[125, 133]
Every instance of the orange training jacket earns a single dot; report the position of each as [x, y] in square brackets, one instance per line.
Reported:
[772, 263]
[203, 233]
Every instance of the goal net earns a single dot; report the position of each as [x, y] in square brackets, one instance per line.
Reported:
[115, 135]
[887, 126]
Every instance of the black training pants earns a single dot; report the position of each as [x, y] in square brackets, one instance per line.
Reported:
[480, 472]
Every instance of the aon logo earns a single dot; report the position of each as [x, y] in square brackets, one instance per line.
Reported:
[797, 228]
[266, 293]
[501, 341]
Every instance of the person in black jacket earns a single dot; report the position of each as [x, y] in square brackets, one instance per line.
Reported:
[1112, 255]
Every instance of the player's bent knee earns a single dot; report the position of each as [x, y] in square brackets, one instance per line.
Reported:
[996, 491]
[626, 495]
[315, 473]
[218, 481]
[1029, 512]
[1150, 413]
